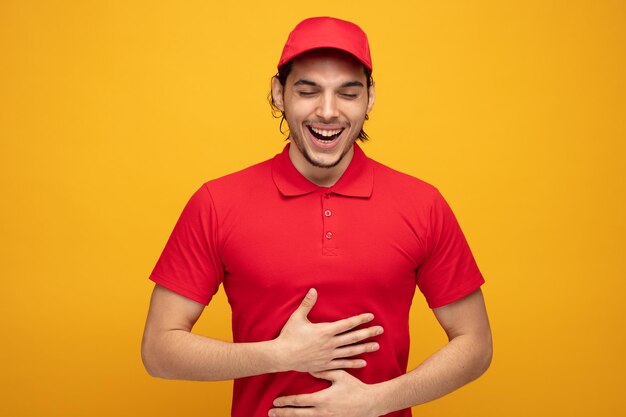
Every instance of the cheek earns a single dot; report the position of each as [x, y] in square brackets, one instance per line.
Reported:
[358, 110]
[357, 116]
[297, 112]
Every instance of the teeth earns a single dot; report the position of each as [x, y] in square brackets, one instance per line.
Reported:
[326, 133]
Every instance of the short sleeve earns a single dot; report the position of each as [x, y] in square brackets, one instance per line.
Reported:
[190, 263]
[449, 271]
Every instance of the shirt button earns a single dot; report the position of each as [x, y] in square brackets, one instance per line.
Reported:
[327, 213]
[329, 235]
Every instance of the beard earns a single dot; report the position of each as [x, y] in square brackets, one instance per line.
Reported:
[299, 142]
[304, 151]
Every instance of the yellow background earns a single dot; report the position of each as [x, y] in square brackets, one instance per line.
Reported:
[113, 113]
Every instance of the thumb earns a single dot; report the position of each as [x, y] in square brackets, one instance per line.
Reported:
[332, 375]
[307, 303]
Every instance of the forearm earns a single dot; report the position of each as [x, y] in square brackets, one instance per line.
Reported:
[179, 354]
[169, 349]
[460, 361]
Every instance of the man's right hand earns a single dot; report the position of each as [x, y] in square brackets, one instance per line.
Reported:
[313, 347]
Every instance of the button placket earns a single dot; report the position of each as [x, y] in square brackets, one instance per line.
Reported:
[329, 237]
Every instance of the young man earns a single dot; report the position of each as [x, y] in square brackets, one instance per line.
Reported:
[319, 250]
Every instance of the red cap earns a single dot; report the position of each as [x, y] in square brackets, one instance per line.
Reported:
[327, 32]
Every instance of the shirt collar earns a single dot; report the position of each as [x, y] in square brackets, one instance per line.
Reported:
[356, 181]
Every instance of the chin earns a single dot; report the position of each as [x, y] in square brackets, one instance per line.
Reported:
[326, 160]
[322, 164]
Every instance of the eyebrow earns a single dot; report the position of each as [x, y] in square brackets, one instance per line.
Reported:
[314, 84]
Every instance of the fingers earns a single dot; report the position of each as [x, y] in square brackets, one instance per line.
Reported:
[357, 335]
[342, 355]
[344, 364]
[349, 351]
[293, 412]
[341, 326]
[300, 400]
[307, 303]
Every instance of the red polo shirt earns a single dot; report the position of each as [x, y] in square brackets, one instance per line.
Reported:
[268, 234]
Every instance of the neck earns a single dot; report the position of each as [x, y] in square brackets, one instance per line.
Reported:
[322, 177]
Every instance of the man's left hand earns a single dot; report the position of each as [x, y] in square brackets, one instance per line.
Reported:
[346, 397]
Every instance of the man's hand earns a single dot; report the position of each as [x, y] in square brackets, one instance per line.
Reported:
[346, 397]
[311, 347]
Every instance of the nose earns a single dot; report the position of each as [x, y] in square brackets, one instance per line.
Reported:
[327, 108]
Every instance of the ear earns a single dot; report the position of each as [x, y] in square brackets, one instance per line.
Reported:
[371, 97]
[277, 94]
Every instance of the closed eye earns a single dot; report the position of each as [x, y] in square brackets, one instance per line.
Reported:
[350, 92]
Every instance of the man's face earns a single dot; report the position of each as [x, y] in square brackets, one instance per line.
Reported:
[325, 99]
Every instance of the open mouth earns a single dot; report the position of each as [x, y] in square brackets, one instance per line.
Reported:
[325, 135]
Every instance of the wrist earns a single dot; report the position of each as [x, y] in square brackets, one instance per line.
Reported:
[275, 356]
[379, 395]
